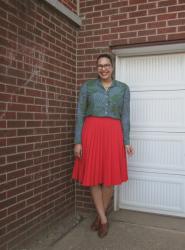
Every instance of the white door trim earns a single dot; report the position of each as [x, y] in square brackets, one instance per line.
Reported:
[150, 50]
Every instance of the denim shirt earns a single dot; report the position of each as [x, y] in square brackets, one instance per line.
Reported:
[94, 100]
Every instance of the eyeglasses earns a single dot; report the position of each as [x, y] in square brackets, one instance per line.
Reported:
[106, 66]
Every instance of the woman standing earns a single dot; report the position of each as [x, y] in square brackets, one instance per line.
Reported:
[102, 138]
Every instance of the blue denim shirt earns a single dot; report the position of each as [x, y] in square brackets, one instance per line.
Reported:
[94, 100]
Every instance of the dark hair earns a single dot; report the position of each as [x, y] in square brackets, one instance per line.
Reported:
[106, 56]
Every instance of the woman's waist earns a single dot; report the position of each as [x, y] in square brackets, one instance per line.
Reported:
[104, 115]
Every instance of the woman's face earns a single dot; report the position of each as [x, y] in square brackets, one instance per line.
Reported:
[105, 69]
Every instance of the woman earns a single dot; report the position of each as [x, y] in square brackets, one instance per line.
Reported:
[102, 138]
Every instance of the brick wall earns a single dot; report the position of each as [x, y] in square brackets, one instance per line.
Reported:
[37, 105]
[37, 97]
[111, 23]
[70, 4]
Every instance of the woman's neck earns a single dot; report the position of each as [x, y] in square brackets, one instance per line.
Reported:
[107, 82]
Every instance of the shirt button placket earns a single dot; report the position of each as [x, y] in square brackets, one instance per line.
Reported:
[106, 104]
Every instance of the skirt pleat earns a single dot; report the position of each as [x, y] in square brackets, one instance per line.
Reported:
[103, 153]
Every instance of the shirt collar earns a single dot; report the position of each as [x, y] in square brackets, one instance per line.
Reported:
[114, 83]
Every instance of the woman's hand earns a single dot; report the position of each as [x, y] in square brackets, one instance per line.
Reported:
[78, 150]
[129, 150]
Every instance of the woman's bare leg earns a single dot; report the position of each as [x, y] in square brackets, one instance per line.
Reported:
[97, 195]
[107, 192]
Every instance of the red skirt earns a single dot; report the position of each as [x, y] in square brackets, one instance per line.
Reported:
[103, 153]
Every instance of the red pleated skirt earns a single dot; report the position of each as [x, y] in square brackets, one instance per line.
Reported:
[103, 153]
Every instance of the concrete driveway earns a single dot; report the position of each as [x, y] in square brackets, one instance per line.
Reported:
[128, 231]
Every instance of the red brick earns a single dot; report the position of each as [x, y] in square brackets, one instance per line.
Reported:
[110, 36]
[33, 124]
[176, 22]
[16, 107]
[2, 142]
[147, 6]
[100, 20]
[5, 97]
[119, 4]
[7, 150]
[146, 19]
[146, 32]
[15, 140]
[110, 12]
[166, 30]
[128, 34]
[167, 16]
[15, 124]
[16, 157]
[93, 14]
[167, 3]
[176, 8]
[24, 164]
[101, 7]
[101, 32]
[156, 24]
[181, 28]
[3, 213]
[128, 9]
[2, 160]
[24, 196]
[138, 13]
[15, 191]
[137, 27]
[7, 185]
[157, 11]
[6, 204]
[2, 177]
[15, 224]
[5, 6]
[93, 26]
[157, 38]
[15, 174]
[181, 15]
[16, 207]
[25, 116]
[176, 36]
[127, 22]
[119, 17]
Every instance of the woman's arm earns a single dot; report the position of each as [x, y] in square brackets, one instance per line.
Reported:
[125, 117]
[80, 114]
[126, 121]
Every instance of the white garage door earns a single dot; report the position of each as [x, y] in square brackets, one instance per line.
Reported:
[157, 170]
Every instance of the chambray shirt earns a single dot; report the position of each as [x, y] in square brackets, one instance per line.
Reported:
[94, 100]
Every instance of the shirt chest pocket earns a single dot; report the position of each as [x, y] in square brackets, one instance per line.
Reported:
[96, 99]
[116, 99]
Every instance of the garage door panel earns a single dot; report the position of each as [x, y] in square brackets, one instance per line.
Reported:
[158, 152]
[153, 72]
[157, 170]
[153, 193]
[158, 111]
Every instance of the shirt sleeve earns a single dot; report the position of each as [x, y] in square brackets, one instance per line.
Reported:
[80, 113]
[126, 116]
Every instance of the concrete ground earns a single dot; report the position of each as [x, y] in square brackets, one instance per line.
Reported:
[128, 231]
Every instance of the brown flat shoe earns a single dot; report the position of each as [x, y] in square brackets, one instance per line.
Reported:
[103, 230]
[95, 224]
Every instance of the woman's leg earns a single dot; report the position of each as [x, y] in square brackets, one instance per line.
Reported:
[97, 195]
[107, 192]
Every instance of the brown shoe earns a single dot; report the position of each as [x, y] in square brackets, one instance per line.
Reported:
[103, 230]
[95, 224]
